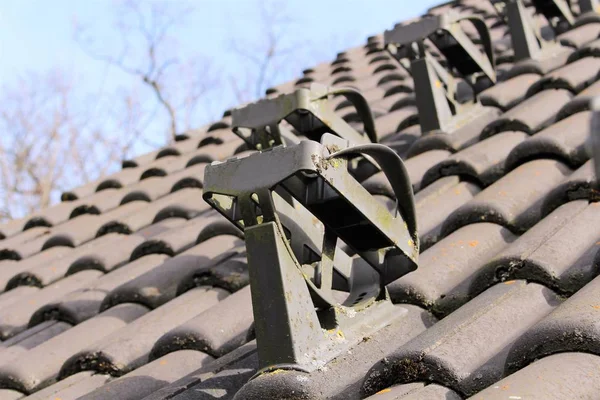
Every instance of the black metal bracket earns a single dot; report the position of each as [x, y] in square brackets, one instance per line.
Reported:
[308, 111]
[436, 87]
[299, 208]
[557, 12]
[527, 40]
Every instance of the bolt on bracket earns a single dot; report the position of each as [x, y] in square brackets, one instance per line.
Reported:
[436, 87]
[300, 210]
[308, 111]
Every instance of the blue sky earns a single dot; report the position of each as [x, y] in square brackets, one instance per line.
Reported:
[38, 35]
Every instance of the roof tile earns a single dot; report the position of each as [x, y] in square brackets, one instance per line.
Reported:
[466, 350]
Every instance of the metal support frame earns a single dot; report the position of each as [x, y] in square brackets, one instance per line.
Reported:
[308, 111]
[299, 208]
[527, 40]
[436, 87]
[557, 12]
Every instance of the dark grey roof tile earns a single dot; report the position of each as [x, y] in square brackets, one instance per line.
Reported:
[220, 382]
[15, 318]
[559, 58]
[185, 203]
[217, 331]
[463, 137]
[537, 256]
[397, 391]
[181, 238]
[396, 121]
[163, 166]
[466, 350]
[571, 327]
[171, 391]
[482, 162]
[71, 388]
[532, 115]
[98, 203]
[416, 167]
[579, 36]
[436, 202]
[129, 347]
[12, 227]
[574, 77]
[154, 187]
[85, 227]
[82, 304]
[8, 394]
[564, 140]
[341, 377]
[580, 102]
[578, 185]
[14, 295]
[505, 95]
[40, 366]
[159, 285]
[153, 376]
[159, 227]
[446, 270]
[591, 49]
[25, 236]
[396, 101]
[515, 201]
[10, 267]
[560, 376]
[231, 275]
[103, 254]
[416, 391]
[17, 345]
[402, 141]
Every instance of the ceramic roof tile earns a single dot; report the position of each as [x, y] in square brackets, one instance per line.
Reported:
[570, 327]
[460, 139]
[217, 331]
[466, 350]
[16, 318]
[82, 304]
[442, 282]
[141, 243]
[129, 347]
[438, 201]
[564, 140]
[579, 36]
[501, 204]
[159, 285]
[40, 367]
[532, 115]
[564, 375]
[103, 254]
[578, 185]
[151, 377]
[71, 388]
[574, 77]
[482, 162]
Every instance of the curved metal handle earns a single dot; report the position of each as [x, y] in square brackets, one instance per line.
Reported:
[362, 107]
[395, 171]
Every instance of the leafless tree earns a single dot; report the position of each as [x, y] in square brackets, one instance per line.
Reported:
[147, 53]
[49, 143]
[268, 56]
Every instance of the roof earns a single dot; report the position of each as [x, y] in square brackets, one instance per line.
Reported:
[134, 288]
